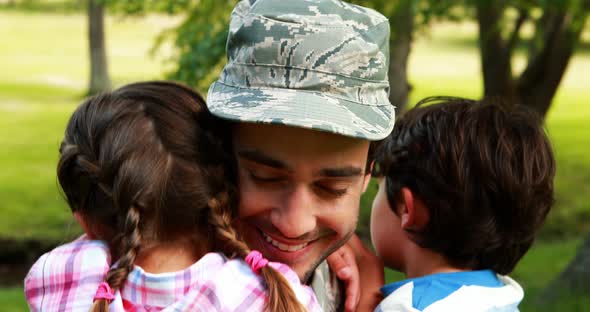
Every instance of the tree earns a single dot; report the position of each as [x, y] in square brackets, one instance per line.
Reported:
[402, 25]
[200, 40]
[99, 75]
[557, 31]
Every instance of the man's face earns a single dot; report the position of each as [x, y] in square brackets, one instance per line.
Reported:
[299, 191]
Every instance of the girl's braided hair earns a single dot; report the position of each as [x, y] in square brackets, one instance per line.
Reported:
[147, 164]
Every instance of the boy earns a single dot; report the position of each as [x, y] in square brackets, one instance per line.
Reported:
[464, 188]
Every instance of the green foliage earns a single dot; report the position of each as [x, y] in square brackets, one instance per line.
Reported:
[141, 7]
[200, 43]
[45, 6]
[199, 40]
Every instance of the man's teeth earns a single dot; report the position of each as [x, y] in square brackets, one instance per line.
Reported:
[283, 247]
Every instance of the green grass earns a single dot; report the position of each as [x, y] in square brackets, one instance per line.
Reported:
[44, 62]
[541, 265]
[13, 300]
[43, 78]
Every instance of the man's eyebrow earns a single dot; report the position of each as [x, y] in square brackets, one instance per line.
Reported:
[343, 172]
[259, 157]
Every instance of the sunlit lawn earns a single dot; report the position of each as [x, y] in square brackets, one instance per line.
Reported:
[44, 73]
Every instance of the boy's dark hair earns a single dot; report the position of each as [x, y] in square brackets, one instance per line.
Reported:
[484, 171]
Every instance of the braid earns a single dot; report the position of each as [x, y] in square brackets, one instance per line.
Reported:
[220, 218]
[79, 175]
[129, 242]
[281, 297]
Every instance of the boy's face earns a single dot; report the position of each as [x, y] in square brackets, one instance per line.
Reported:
[387, 234]
[299, 192]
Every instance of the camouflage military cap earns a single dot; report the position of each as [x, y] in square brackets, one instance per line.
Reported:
[316, 64]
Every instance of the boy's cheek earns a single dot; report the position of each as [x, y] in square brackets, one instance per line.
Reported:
[386, 234]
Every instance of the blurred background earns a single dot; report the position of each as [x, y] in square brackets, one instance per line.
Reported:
[53, 53]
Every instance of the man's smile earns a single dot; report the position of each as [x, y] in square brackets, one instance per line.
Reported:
[284, 246]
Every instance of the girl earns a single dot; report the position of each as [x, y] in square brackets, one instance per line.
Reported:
[144, 176]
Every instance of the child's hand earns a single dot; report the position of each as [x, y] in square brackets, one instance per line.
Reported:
[343, 262]
[358, 268]
[371, 275]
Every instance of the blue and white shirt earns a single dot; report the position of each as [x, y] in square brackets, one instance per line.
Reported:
[458, 291]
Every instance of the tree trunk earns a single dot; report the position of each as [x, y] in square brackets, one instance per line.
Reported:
[538, 84]
[402, 28]
[494, 52]
[99, 75]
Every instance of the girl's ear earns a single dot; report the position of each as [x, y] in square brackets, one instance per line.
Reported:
[84, 225]
[413, 213]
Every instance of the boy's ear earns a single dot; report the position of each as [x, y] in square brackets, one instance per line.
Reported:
[367, 178]
[84, 225]
[413, 213]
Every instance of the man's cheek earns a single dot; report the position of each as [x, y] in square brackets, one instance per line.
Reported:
[254, 201]
[343, 220]
[248, 204]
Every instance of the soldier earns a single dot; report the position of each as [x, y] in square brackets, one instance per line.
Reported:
[306, 89]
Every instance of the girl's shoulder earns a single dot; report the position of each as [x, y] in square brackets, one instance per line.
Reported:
[78, 256]
[233, 286]
[67, 275]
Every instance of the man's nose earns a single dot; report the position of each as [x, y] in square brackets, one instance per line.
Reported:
[295, 215]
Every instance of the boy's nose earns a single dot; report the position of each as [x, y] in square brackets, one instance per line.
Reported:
[295, 215]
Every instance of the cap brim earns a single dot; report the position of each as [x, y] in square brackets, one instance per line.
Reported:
[300, 108]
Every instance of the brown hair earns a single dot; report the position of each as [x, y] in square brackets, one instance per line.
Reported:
[146, 163]
[484, 171]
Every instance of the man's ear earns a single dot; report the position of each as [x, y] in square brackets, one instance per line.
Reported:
[367, 178]
[84, 225]
[413, 212]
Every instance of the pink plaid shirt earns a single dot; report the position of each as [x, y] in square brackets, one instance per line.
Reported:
[66, 279]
